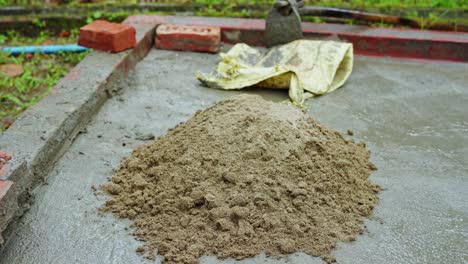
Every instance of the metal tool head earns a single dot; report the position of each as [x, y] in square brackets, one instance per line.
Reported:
[283, 23]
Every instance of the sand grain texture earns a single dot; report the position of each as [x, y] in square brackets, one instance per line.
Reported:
[242, 177]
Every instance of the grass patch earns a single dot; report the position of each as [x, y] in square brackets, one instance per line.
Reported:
[41, 72]
[340, 3]
[454, 4]
[393, 3]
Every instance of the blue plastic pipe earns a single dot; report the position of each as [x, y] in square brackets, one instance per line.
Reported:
[47, 49]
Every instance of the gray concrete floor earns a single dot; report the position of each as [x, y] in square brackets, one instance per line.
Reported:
[412, 115]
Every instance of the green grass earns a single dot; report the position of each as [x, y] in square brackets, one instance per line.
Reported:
[394, 3]
[340, 3]
[41, 72]
[349, 3]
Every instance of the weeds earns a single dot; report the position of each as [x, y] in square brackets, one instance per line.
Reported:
[95, 15]
[41, 72]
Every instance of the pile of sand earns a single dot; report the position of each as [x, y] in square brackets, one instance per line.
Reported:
[242, 177]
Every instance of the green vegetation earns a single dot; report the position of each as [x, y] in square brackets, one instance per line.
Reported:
[13, 38]
[339, 3]
[41, 72]
[229, 10]
[355, 3]
[397, 3]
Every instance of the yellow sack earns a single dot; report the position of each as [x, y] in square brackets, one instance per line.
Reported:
[305, 67]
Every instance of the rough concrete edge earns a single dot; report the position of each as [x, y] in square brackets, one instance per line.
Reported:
[29, 166]
[382, 42]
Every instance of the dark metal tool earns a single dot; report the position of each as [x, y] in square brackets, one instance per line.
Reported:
[283, 23]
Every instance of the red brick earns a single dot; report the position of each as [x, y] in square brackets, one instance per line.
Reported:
[188, 38]
[4, 158]
[107, 36]
[4, 187]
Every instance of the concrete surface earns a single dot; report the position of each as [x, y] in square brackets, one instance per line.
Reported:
[39, 137]
[412, 115]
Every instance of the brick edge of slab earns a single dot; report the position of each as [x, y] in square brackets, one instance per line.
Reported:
[46, 130]
[373, 41]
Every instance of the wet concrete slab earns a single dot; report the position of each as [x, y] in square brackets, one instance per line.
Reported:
[412, 115]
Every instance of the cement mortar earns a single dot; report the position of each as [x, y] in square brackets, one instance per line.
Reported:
[411, 114]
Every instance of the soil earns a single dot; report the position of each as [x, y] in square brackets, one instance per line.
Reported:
[11, 70]
[242, 177]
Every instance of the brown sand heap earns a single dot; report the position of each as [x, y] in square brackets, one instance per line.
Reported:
[242, 177]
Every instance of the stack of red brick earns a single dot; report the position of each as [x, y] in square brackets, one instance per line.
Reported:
[114, 37]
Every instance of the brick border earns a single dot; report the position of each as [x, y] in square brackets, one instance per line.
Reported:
[45, 131]
[382, 42]
[188, 38]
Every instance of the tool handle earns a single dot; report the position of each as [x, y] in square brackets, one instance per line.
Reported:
[286, 7]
